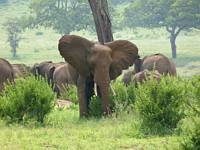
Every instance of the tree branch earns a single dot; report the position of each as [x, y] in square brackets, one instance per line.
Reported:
[179, 30]
[168, 29]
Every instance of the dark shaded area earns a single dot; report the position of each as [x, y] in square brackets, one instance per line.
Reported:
[89, 89]
[137, 66]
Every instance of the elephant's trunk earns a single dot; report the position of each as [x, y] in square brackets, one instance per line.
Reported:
[102, 79]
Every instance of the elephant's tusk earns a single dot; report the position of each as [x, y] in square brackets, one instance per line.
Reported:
[113, 91]
[95, 89]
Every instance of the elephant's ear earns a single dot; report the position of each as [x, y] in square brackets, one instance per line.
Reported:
[124, 54]
[74, 49]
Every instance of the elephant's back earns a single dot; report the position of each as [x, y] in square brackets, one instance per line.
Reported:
[173, 68]
[6, 70]
[156, 62]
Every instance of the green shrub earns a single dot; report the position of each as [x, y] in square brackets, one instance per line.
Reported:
[190, 126]
[191, 132]
[124, 98]
[95, 107]
[71, 94]
[121, 100]
[27, 99]
[193, 103]
[160, 105]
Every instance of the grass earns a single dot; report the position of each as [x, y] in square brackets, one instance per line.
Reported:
[64, 130]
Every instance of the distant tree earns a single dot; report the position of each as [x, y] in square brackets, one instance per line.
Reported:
[3, 1]
[62, 15]
[102, 20]
[14, 29]
[118, 2]
[175, 15]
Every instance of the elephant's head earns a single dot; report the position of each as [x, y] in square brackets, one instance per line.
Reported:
[103, 62]
[44, 69]
[106, 60]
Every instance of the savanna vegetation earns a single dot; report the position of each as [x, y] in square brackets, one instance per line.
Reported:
[153, 115]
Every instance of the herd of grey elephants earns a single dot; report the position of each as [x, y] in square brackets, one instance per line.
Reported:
[89, 63]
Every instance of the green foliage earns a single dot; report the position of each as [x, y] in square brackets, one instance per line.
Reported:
[151, 13]
[160, 105]
[3, 1]
[63, 16]
[122, 100]
[71, 94]
[191, 132]
[95, 107]
[190, 126]
[27, 99]
[175, 15]
[194, 102]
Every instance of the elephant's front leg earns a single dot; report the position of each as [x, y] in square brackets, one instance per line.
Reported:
[82, 96]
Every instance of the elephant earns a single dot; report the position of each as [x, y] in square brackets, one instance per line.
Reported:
[63, 76]
[96, 63]
[45, 69]
[21, 70]
[158, 62]
[126, 78]
[6, 73]
[145, 75]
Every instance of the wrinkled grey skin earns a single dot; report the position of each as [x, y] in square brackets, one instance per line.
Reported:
[145, 75]
[45, 69]
[21, 70]
[63, 76]
[6, 73]
[126, 79]
[159, 62]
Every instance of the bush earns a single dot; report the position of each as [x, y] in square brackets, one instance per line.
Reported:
[160, 104]
[26, 100]
[71, 94]
[191, 132]
[193, 104]
[190, 126]
[122, 101]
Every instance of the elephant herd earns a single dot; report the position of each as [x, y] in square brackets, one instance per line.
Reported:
[91, 65]
[58, 75]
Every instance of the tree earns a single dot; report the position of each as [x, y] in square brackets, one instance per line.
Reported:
[175, 15]
[3, 1]
[102, 20]
[62, 15]
[14, 29]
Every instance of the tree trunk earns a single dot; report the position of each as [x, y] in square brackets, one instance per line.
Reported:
[102, 20]
[173, 45]
[14, 51]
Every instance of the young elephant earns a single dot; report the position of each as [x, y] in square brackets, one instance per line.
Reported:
[64, 75]
[158, 62]
[6, 73]
[145, 75]
[21, 70]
